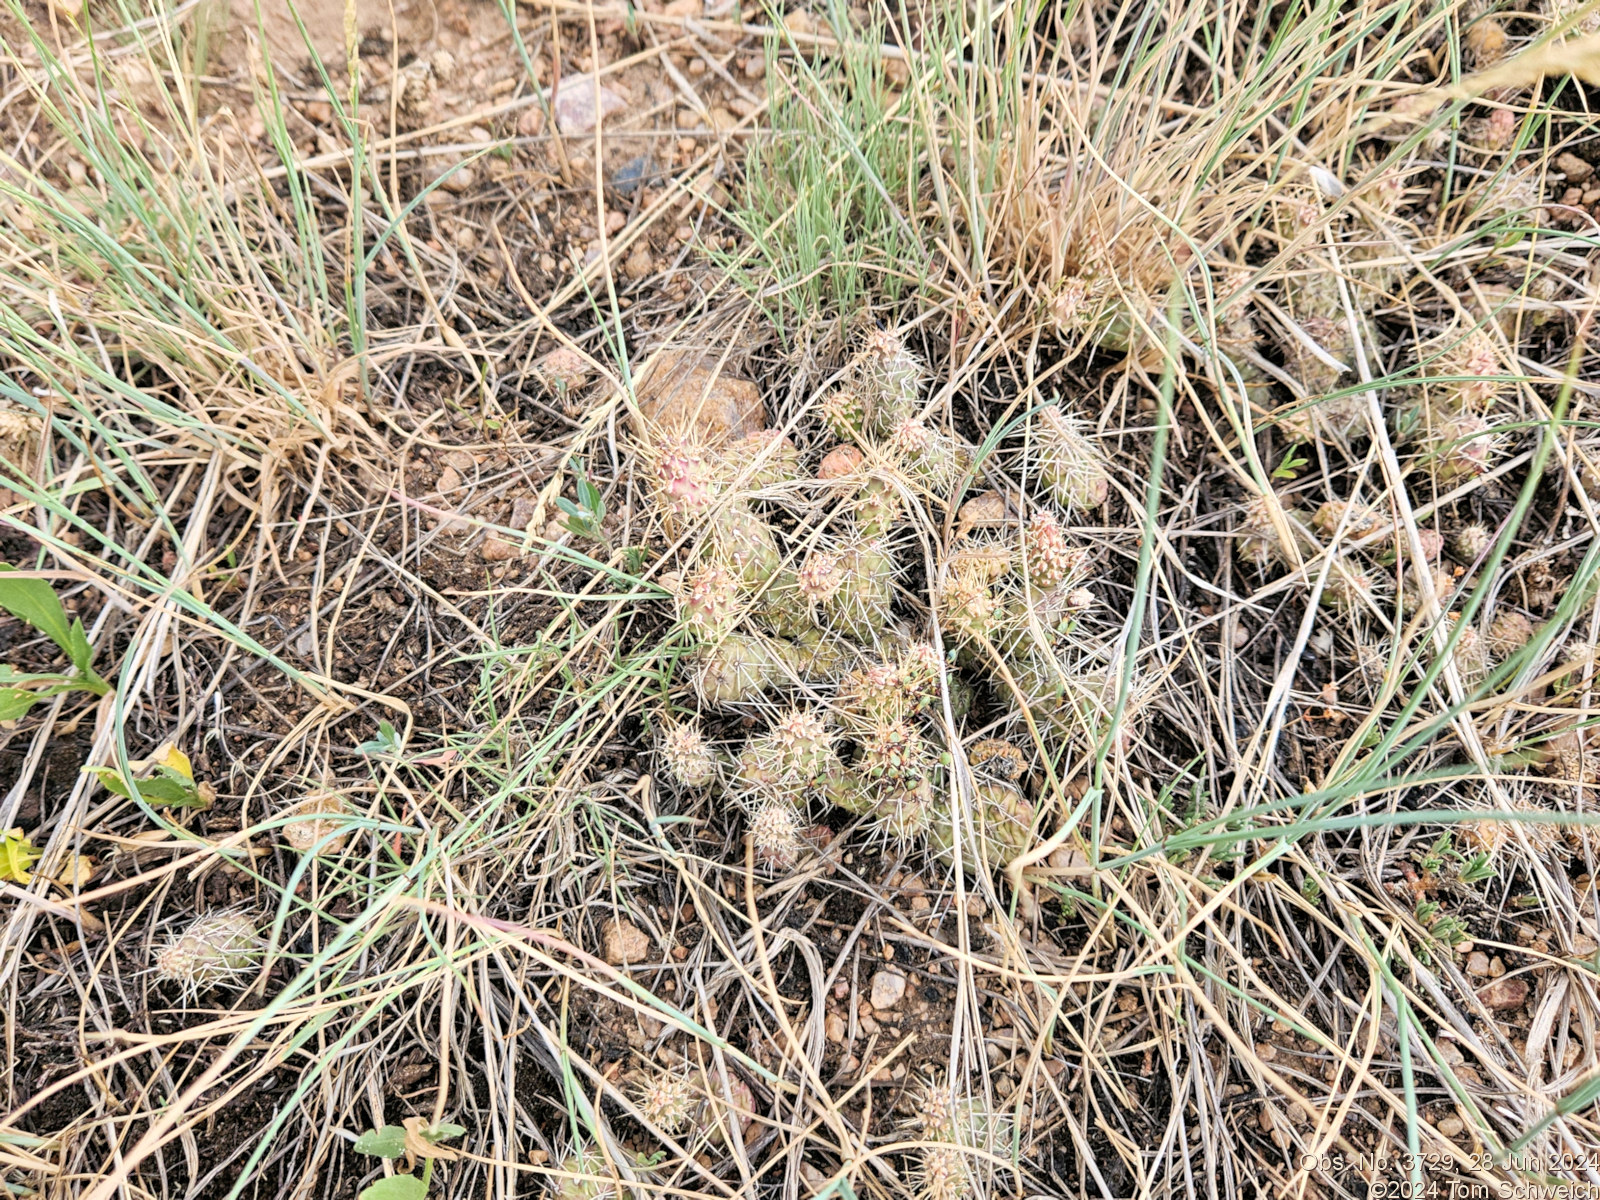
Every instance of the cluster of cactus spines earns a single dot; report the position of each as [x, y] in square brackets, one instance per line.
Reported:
[1069, 465]
[667, 1099]
[894, 753]
[967, 608]
[687, 756]
[1460, 447]
[683, 478]
[744, 543]
[949, 1125]
[790, 758]
[802, 744]
[844, 412]
[1470, 543]
[1509, 632]
[710, 601]
[1479, 381]
[775, 834]
[1471, 655]
[1358, 520]
[587, 1176]
[210, 951]
[941, 1173]
[1048, 560]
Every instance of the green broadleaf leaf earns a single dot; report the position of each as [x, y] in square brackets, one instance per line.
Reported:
[167, 787]
[15, 702]
[36, 602]
[388, 1142]
[17, 855]
[396, 1187]
[443, 1131]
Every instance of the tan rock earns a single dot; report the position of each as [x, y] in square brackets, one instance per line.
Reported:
[639, 265]
[1451, 1126]
[495, 550]
[686, 392]
[834, 1027]
[575, 105]
[1477, 963]
[449, 481]
[1574, 168]
[563, 369]
[1504, 995]
[888, 989]
[624, 942]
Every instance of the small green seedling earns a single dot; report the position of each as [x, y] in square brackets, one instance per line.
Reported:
[36, 602]
[387, 744]
[586, 516]
[1289, 468]
[170, 782]
[412, 1141]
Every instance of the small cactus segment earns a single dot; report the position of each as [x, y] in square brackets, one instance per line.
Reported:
[802, 744]
[967, 608]
[710, 601]
[775, 834]
[585, 1175]
[877, 507]
[894, 752]
[1470, 543]
[1047, 559]
[942, 1173]
[745, 544]
[819, 577]
[667, 1100]
[738, 669]
[763, 459]
[891, 376]
[683, 478]
[213, 950]
[1067, 463]
[1002, 820]
[1471, 378]
[1460, 447]
[687, 755]
[1509, 632]
[859, 607]
[844, 412]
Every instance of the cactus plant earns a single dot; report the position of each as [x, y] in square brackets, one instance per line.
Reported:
[737, 669]
[687, 756]
[210, 951]
[709, 600]
[775, 828]
[745, 544]
[1066, 462]
[667, 1099]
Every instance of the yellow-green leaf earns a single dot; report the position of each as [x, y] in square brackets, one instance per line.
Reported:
[17, 855]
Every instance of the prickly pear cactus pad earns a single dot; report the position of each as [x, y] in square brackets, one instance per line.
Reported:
[861, 592]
